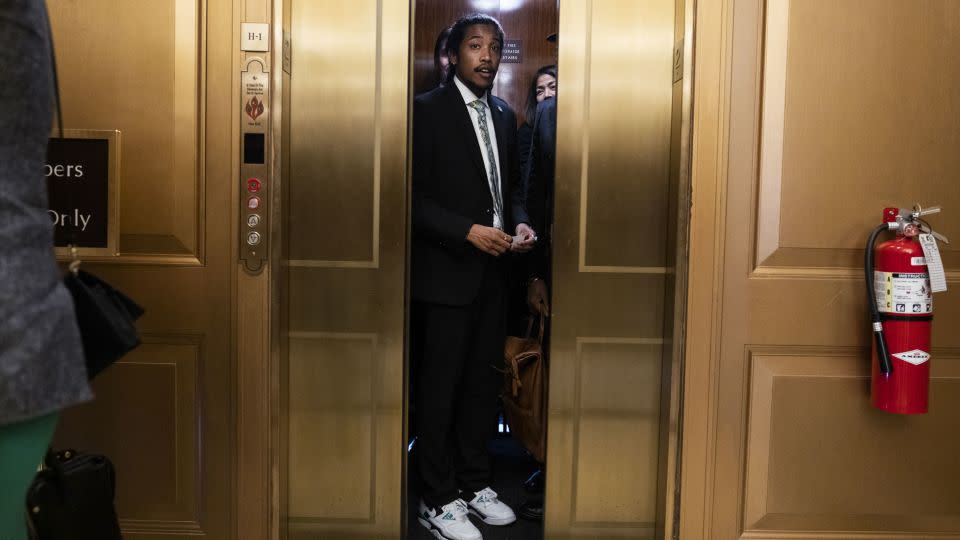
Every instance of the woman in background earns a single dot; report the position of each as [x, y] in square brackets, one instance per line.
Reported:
[441, 62]
[542, 86]
[530, 294]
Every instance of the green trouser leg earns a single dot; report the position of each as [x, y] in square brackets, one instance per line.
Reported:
[22, 447]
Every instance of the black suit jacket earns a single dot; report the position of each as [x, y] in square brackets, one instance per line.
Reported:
[538, 180]
[451, 193]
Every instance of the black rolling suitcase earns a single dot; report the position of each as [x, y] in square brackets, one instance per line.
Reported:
[71, 498]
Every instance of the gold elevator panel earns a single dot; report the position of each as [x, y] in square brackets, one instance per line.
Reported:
[344, 262]
[612, 266]
[342, 380]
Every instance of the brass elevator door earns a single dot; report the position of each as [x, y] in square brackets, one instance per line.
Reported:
[342, 378]
[345, 149]
[612, 414]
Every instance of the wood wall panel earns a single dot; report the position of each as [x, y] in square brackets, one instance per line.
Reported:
[146, 418]
[145, 78]
[821, 458]
[875, 87]
[856, 66]
[811, 115]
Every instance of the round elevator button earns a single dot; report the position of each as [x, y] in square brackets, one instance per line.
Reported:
[253, 203]
[253, 238]
[253, 220]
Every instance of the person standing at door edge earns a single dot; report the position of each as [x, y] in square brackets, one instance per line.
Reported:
[467, 201]
[41, 358]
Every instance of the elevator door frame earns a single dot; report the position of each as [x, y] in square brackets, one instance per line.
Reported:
[272, 434]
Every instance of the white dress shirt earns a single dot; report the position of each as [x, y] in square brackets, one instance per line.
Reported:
[470, 97]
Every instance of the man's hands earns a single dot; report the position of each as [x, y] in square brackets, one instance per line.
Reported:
[526, 237]
[493, 241]
[489, 240]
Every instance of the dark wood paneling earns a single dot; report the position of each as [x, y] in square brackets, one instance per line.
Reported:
[528, 20]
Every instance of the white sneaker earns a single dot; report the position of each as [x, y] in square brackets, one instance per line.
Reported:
[491, 510]
[450, 523]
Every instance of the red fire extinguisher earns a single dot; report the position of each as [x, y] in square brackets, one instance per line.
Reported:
[900, 288]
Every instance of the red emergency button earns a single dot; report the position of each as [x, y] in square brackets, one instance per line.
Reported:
[253, 203]
[253, 185]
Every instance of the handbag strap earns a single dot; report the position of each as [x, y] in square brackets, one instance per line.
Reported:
[529, 333]
[514, 370]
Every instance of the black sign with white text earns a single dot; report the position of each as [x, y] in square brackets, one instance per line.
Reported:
[78, 185]
[512, 51]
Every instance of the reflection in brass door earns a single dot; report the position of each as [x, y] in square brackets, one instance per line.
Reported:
[342, 379]
[611, 415]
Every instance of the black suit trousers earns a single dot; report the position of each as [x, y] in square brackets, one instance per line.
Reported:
[460, 350]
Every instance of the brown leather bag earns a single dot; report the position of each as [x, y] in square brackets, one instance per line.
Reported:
[525, 390]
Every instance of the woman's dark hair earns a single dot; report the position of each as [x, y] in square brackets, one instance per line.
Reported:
[440, 51]
[531, 110]
[459, 29]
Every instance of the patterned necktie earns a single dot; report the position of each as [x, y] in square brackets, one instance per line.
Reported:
[480, 107]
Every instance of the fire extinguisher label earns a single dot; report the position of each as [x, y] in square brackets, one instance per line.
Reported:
[931, 254]
[918, 261]
[915, 357]
[899, 292]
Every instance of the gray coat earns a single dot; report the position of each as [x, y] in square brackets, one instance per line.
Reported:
[41, 358]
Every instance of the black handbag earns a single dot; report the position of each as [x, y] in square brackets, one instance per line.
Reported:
[72, 498]
[105, 316]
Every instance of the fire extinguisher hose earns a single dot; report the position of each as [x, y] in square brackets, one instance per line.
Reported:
[883, 356]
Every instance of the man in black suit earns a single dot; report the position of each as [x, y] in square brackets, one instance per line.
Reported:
[467, 202]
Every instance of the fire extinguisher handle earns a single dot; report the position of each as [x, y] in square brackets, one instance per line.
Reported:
[919, 211]
[883, 356]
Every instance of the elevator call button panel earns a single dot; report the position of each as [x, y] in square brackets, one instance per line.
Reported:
[255, 176]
